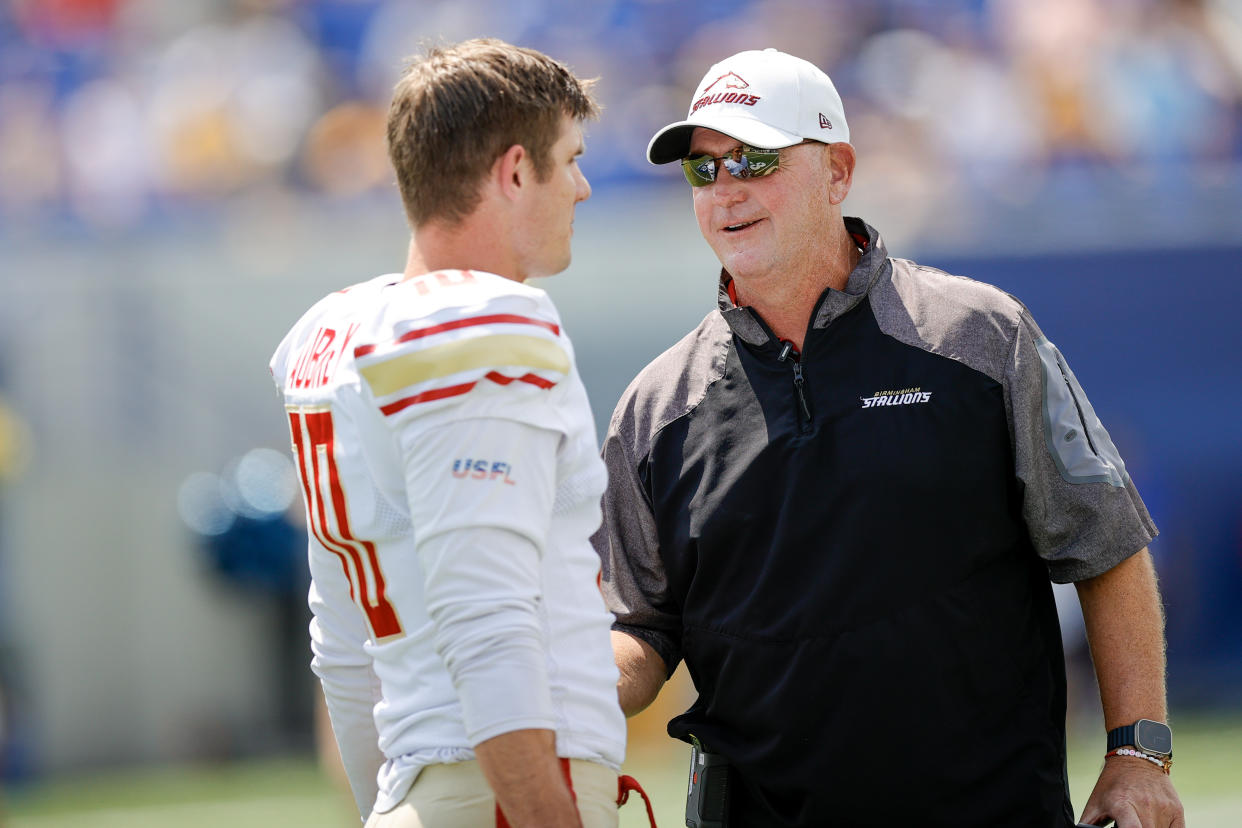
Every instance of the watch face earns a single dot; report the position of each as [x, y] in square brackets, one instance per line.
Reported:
[1153, 737]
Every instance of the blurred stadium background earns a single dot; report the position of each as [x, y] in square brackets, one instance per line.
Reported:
[179, 180]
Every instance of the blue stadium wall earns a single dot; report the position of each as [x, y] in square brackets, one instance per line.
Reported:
[1155, 339]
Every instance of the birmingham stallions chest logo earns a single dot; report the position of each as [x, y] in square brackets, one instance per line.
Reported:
[901, 396]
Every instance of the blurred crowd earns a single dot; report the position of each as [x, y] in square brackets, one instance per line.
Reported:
[113, 112]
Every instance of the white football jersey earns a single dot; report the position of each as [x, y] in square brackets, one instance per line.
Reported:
[452, 480]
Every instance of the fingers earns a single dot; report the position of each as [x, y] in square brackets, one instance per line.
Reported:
[1135, 795]
[1093, 816]
[1128, 817]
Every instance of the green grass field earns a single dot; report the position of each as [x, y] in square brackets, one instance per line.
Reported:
[294, 792]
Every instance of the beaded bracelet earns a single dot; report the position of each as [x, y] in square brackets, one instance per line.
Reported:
[1163, 764]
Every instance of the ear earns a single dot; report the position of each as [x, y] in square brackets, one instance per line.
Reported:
[841, 159]
[511, 171]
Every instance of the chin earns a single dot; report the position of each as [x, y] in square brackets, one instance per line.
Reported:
[740, 266]
[560, 265]
[547, 270]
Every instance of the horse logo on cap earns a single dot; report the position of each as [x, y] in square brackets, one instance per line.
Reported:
[735, 81]
[731, 81]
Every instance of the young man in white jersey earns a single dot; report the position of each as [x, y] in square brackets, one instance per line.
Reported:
[451, 472]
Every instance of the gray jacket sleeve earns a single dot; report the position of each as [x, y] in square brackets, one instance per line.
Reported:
[634, 582]
[1082, 511]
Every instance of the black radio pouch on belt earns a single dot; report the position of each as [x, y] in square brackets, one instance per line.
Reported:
[707, 796]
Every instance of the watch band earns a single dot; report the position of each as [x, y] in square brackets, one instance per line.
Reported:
[1120, 737]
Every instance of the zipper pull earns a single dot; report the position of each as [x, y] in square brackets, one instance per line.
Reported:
[786, 350]
[798, 383]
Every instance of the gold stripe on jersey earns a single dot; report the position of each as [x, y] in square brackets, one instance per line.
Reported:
[494, 351]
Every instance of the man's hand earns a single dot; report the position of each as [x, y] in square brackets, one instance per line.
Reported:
[1136, 794]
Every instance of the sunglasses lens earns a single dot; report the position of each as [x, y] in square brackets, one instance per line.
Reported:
[699, 171]
[742, 163]
[737, 169]
[752, 164]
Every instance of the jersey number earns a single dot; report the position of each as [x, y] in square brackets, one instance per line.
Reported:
[313, 447]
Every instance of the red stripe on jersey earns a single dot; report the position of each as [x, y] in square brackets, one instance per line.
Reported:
[501, 379]
[489, 319]
[426, 396]
[456, 390]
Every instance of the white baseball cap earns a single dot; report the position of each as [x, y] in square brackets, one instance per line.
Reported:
[766, 99]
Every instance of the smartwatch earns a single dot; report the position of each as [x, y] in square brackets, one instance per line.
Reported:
[1145, 735]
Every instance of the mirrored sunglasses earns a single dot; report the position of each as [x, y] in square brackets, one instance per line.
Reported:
[743, 162]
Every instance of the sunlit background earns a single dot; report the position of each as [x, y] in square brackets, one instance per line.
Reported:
[179, 179]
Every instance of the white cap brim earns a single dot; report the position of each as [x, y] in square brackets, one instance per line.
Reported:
[673, 142]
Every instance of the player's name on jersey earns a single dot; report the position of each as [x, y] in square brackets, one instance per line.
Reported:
[320, 357]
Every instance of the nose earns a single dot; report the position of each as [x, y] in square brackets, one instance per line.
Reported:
[727, 190]
[583, 191]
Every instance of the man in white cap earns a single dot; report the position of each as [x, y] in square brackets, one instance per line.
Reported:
[841, 500]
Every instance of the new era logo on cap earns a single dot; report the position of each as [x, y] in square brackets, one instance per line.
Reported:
[762, 98]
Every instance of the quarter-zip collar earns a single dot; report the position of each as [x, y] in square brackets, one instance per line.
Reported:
[747, 325]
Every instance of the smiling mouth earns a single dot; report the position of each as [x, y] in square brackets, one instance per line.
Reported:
[734, 228]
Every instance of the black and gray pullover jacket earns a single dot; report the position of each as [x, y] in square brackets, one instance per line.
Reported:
[851, 548]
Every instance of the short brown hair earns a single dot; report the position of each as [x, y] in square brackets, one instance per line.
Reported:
[456, 109]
